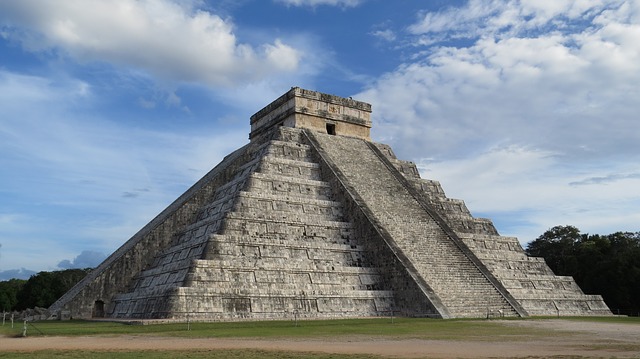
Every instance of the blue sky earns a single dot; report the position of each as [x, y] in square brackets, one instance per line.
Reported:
[109, 110]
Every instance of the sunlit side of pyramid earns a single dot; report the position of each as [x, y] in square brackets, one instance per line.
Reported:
[311, 219]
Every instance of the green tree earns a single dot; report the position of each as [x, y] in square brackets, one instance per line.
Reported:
[44, 288]
[9, 293]
[608, 265]
[558, 247]
[622, 268]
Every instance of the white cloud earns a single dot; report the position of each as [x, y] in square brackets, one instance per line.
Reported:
[281, 56]
[74, 170]
[21, 273]
[164, 38]
[544, 95]
[86, 259]
[553, 91]
[386, 34]
[455, 19]
[507, 18]
[313, 3]
[536, 191]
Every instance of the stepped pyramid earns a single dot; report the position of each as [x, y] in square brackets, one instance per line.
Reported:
[311, 219]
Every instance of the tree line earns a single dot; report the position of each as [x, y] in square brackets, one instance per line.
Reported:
[608, 265]
[40, 290]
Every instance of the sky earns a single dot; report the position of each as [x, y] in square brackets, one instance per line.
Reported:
[528, 110]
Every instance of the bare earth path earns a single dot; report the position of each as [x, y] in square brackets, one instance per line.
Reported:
[565, 338]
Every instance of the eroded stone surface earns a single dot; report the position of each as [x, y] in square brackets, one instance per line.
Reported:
[311, 219]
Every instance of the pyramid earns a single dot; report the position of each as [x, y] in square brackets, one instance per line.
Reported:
[311, 219]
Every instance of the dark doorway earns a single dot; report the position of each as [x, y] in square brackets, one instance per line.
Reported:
[98, 309]
[331, 128]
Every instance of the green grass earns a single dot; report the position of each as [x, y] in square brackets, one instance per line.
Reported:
[383, 327]
[613, 319]
[401, 328]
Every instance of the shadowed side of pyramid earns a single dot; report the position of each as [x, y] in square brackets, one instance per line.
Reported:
[311, 219]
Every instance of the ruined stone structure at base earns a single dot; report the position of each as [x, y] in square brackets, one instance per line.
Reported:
[313, 220]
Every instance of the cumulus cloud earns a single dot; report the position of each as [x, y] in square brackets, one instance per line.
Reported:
[86, 259]
[507, 18]
[551, 89]
[167, 39]
[557, 80]
[313, 3]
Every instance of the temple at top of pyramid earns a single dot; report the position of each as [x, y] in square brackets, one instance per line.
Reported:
[316, 111]
[311, 219]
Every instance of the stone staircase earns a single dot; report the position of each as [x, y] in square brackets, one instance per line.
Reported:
[528, 279]
[455, 211]
[531, 281]
[152, 292]
[313, 220]
[460, 285]
[271, 244]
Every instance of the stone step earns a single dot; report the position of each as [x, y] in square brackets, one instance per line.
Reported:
[340, 277]
[288, 167]
[518, 269]
[253, 306]
[167, 269]
[249, 291]
[291, 199]
[528, 285]
[239, 224]
[264, 257]
[233, 244]
[292, 266]
[276, 289]
[269, 202]
[160, 281]
[290, 215]
[288, 186]
[557, 296]
[289, 150]
[197, 231]
[343, 236]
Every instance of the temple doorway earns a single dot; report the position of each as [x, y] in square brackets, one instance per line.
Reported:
[98, 309]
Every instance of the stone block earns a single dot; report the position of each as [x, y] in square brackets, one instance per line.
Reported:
[312, 219]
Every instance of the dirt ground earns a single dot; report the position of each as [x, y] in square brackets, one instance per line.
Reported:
[565, 338]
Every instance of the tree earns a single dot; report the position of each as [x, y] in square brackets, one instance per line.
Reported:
[44, 288]
[608, 265]
[558, 247]
[9, 293]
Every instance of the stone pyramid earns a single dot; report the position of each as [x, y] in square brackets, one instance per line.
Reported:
[313, 220]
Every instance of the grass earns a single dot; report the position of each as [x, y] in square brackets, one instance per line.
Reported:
[384, 328]
[613, 319]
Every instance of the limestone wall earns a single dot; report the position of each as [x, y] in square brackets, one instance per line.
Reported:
[119, 271]
[285, 249]
[270, 241]
[454, 279]
[313, 220]
[528, 279]
[412, 296]
[300, 108]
